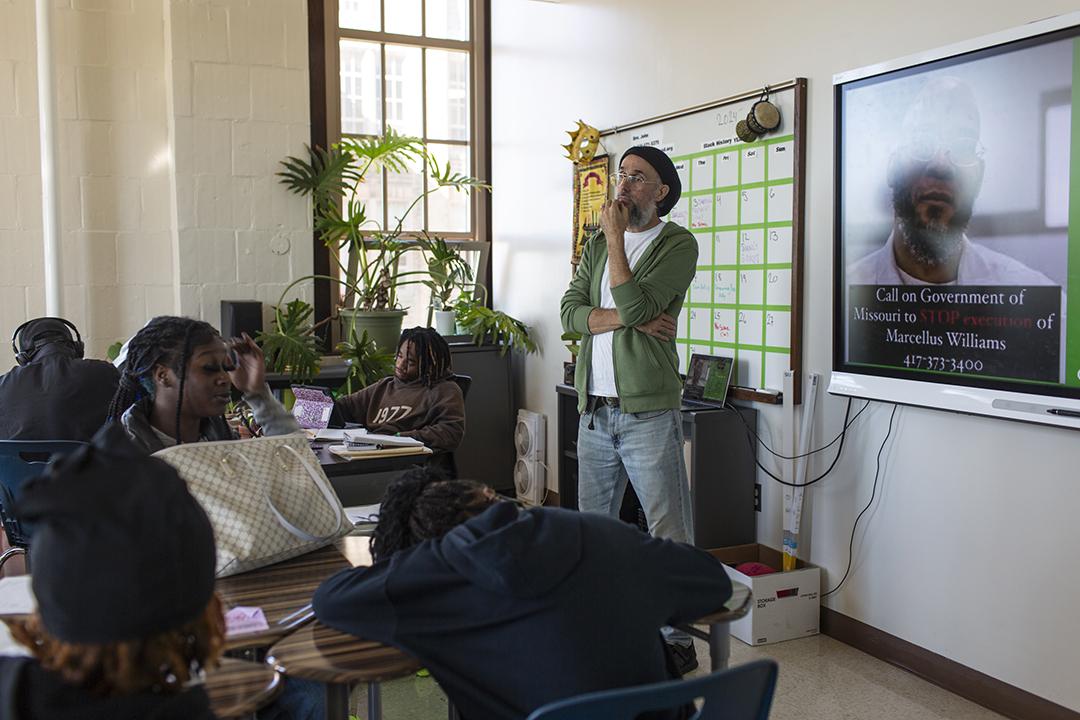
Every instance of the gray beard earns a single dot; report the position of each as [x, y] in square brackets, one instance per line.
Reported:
[640, 215]
[933, 244]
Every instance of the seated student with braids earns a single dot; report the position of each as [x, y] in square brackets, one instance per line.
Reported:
[511, 610]
[420, 400]
[176, 383]
[126, 616]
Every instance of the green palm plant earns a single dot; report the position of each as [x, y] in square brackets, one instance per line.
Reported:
[332, 178]
[366, 363]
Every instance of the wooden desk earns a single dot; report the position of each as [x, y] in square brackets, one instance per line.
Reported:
[719, 635]
[335, 466]
[238, 688]
[284, 590]
[316, 652]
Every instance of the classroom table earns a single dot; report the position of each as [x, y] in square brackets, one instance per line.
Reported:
[238, 688]
[284, 590]
[719, 635]
[316, 652]
[385, 461]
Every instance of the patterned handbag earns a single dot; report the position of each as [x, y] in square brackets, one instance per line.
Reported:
[268, 499]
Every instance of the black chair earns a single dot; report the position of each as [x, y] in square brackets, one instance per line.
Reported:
[444, 460]
[744, 692]
[21, 460]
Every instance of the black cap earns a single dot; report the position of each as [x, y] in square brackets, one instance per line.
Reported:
[121, 549]
[42, 331]
[663, 166]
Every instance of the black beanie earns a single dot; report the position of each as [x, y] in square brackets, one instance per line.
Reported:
[663, 166]
[121, 549]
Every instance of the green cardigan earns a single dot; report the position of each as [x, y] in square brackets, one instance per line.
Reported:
[646, 369]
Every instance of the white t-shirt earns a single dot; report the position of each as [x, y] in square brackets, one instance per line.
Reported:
[602, 367]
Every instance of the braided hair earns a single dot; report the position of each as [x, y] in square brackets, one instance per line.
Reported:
[432, 353]
[166, 340]
[420, 505]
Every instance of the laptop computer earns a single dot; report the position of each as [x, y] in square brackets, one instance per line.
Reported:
[707, 381]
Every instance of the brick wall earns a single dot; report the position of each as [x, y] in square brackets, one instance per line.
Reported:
[172, 116]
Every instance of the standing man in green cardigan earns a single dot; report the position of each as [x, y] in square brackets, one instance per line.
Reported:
[624, 299]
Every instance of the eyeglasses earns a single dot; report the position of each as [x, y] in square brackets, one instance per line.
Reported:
[961, 151]
[621, 177]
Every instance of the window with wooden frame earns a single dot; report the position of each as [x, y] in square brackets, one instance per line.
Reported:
[420, 68]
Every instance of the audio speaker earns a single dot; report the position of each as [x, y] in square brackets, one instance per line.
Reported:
[241, 316]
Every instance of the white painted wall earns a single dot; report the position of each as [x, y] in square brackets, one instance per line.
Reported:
[967, 552]
[173, 115]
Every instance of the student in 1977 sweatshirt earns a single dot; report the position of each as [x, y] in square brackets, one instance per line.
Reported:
[421, 399]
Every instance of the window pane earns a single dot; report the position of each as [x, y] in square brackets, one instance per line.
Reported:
[359, 14]
[361, 88]
[416, 298]
[369, 193]
[403, 17]
[448, 94]
[449, 208]
[448, 19]
[401, 190]
[404, 90]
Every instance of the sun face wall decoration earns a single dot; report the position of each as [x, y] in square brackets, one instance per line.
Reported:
[590, 184]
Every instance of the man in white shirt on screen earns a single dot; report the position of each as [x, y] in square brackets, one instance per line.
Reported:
[935, 174]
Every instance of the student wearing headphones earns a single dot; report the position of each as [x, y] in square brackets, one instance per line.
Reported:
[53, 394]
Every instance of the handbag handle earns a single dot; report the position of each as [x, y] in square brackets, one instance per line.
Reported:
[327, 494]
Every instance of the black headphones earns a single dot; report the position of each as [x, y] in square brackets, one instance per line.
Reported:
[25, 356]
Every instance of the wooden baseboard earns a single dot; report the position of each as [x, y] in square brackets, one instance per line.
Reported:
[1002, 698]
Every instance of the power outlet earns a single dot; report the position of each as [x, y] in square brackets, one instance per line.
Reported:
[757, 497]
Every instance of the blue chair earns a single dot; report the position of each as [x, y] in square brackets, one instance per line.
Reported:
[21, 460]
[744, 692]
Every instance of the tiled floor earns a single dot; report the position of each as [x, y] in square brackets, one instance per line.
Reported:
[820, 678]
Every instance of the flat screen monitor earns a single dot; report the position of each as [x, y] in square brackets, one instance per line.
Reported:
[957, 227]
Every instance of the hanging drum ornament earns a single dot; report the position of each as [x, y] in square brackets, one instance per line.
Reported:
[764, 117]
[744, 132]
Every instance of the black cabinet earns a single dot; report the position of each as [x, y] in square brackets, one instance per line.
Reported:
[720, 463]
[486, 453]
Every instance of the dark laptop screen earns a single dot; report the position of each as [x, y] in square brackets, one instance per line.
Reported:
[708, 378]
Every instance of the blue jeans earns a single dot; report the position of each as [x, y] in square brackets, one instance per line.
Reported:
[644, 449]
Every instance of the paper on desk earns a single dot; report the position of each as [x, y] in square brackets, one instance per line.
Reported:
[363, 437]
[334, 434]
[244, 620]
[363, 513]
[16, 596]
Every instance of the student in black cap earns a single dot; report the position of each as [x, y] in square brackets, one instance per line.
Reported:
[127, 618]
[623, 299]
[53, 393]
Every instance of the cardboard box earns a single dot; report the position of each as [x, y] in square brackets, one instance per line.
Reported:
[785, 605]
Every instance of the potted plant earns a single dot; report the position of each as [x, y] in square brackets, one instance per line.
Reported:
[495, 326]
[448, 273]
[371, 274]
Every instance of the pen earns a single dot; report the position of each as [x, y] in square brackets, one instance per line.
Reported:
[1063, 412]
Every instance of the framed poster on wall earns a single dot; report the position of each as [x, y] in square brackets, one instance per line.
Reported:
[590, 191]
